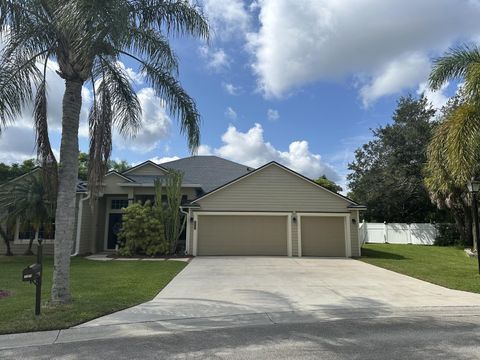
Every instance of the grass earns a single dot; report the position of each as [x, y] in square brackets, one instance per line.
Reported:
[97, 287]
[446, 266]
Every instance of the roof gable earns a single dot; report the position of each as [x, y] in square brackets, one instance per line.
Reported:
[208, 171]
[284, 169]
[146, 168]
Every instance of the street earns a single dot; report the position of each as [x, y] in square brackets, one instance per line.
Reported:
[416, 337]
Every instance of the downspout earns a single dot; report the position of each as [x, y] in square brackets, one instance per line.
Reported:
[79, 225]
[187, 221]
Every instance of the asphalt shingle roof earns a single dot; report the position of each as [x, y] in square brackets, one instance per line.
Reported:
[208, 171]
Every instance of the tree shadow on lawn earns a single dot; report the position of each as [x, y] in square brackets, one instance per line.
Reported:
[376, 254]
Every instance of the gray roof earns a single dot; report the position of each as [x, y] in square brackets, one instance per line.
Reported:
[208, 171]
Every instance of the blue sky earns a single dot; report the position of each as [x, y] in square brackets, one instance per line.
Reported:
[300, 82]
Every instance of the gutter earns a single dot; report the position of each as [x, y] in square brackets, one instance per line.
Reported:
[79, 225]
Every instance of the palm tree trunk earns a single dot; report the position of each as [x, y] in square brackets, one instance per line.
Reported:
[7, 239]
[67, 184]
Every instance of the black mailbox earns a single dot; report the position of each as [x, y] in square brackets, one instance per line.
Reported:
[32, 272]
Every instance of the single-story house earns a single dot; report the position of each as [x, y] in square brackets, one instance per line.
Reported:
[231, 209]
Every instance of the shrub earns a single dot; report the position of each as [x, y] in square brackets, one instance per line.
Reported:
[448, 235]
[142, 231]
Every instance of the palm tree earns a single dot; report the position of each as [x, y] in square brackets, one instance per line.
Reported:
[31, 203]
[7, 225]
[88, 38]
[461, 126]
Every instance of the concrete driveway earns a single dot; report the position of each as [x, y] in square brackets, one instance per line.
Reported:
[328, 288]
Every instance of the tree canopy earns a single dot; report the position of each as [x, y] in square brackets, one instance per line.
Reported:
[387, 173]
[328, 184]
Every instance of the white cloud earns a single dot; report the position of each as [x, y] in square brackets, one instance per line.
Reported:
[228, 18]
[204, 150]
[155, 124]
[250, 148]
[164, 159]
[134, 76]
[437, 98]
[230, 113]
[231, 89]
[17, 144]
[273, 115]
[399, 74]
[332, 40]
[217, 59]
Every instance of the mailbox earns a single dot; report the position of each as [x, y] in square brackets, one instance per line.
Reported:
[32, 272]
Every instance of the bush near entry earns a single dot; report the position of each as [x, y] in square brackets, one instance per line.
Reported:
[142, 231]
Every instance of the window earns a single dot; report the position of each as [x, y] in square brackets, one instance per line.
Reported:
[118, 204]
[26, 231]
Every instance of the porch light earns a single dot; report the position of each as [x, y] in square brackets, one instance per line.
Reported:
[294, 217]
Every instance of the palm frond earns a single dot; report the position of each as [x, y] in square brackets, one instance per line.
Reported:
[454, 64]
[175, 16]
[100, 123]
[18, 76]
[178, 102]
[44, 149]
[152, 45]
[462, 142]
[126, 109]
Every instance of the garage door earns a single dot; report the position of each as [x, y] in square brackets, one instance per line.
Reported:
[241, 235]
[323, 236]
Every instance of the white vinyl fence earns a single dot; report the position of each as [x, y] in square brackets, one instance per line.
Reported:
[396, 233]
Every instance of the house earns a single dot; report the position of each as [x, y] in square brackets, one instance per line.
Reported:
[231, 209]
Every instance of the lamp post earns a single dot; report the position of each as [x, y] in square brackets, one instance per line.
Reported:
[474, 187]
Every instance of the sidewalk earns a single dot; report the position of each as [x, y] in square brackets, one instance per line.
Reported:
[151, 328]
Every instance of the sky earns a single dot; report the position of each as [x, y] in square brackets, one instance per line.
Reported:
[301, 82]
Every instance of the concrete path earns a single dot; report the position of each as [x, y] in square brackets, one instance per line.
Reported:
[216, 287]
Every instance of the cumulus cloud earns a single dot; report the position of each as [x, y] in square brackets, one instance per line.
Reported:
[217, 59]
[273, 115]
[437, 98]
[231, 89]
[250, 148]
[155, 124]
[228, 18]
[396, 75]
[230, 113]
[334, 40]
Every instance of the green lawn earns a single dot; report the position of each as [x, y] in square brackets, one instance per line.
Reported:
[445, 266]
[98, 288]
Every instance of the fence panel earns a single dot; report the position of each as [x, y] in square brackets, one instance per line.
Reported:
[398, 233]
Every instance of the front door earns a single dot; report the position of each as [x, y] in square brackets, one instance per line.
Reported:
[114, 226]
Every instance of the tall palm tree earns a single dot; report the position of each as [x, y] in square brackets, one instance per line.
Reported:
[29, 201]
[461, 126]
[88, 38]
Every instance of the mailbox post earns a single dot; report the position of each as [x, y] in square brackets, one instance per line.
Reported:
[33, 273]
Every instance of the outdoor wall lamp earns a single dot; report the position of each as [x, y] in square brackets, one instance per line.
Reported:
[294, 217]
[191, 219]
[354, 221]
[474, 186]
